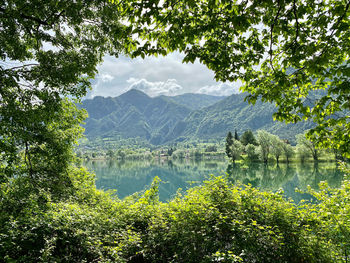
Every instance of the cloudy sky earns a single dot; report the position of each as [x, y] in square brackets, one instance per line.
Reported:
[156, 76]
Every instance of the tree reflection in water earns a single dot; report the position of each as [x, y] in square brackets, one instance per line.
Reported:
[128, 177]
[286, 177]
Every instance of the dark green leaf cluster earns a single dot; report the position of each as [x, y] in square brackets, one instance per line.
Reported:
[248, 138]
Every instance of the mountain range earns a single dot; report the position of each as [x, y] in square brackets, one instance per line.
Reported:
[164, 119]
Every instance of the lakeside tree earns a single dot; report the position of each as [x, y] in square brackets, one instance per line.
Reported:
[248, 138]
[236, 150]
[233, 147]
[292, 53]
[236, 135]
[92, 226]
[303, 153]
[228, 144]
[110, 153]
[304, 144]
[276, 147]
[251, 151]
[288, 151]
[264, 141]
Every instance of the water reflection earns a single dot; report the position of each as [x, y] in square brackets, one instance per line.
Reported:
[286, 177]
[128, 177]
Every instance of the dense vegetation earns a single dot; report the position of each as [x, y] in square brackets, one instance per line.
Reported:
[211, 223]
[50, 208]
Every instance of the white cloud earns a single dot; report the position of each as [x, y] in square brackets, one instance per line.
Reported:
[106, 77]
[220, 89]
[153, 89]
[155, 76]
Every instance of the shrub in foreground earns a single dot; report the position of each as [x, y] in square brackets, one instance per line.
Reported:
[216, 222]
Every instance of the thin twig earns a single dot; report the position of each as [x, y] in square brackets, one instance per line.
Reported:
[271, 33]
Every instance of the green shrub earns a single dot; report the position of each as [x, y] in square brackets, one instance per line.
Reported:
[216, 222]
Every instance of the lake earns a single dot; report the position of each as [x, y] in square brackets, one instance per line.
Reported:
[129, 176]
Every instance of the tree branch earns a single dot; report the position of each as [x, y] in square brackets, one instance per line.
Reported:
[23, 66]
[39, 21]
[296, 22]
[271, 33]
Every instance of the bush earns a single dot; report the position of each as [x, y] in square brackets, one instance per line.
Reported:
[216, 222]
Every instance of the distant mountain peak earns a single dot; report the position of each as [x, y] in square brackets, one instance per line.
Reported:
[134, 92]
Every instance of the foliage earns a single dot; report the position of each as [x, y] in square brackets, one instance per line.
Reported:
[287, 150]
[211, 148]
[49, 50]
[236, 150]
[264, 141]
[251, 151]
[170, 151]
[228, 145]
[211, 222]
[334, 210]
[248, 138]
[304, 144]
[276, 146]
[302, 152]
[51, 210]
[283, 51]
[236, 136]
[233, 147]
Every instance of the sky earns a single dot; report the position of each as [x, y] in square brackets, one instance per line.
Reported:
[156, 76]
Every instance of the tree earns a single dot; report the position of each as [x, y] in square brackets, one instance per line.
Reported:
[264, 141]
[229, 143]
[292, 53]
[302, 152]
[170, 151]
[110, 153]
[287, 150]
[236, 150]
[236, 136]
[211, 148]
[252, 154]
[276, 146]
[248, 138]
[49, 51]
[307, 145]
[121, 154]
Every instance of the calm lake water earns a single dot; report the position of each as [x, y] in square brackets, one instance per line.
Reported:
[128, 177]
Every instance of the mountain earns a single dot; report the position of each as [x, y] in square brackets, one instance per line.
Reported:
[133, 114]
[233, 113]
[194, 101]
[165, 119]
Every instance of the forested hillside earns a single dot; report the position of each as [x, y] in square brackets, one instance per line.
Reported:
[194, 101]
[165, 119]
[234, 113]
[133, 114]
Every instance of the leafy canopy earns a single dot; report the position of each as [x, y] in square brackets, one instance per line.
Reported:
[282, 50]
[48, 52]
